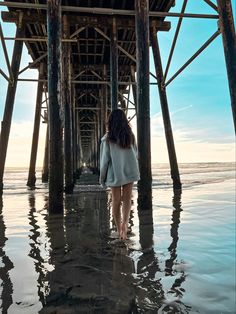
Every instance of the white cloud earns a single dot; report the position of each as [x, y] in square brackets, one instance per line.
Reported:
[192, 145]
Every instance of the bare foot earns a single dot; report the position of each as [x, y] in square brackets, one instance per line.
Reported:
[124, 228]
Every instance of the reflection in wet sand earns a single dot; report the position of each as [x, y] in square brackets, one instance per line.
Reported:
[172, 299]
[149, 292]
[90, 274]
[6, 266]
[74, 263]
[35, 250]
[93, 273]
[151, 297]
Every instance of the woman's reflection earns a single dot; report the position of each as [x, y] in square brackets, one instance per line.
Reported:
[7, 265]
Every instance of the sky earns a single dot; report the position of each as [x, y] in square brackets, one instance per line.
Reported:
[199, 101]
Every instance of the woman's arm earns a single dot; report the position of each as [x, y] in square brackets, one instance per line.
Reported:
[104, 161]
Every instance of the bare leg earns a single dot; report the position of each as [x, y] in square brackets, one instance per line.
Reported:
[116, 201]
[126, 198]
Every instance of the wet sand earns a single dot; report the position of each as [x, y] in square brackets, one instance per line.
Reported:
[73, 263]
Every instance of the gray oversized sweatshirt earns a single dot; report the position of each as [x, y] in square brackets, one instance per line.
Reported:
[118, 166]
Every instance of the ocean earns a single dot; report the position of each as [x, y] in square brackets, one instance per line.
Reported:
[73, 263]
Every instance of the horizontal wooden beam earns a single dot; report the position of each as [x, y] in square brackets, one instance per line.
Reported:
[103, 11]
[84, 21]
[87, 122]
[99, 67]
[84, 82]
[87, 108]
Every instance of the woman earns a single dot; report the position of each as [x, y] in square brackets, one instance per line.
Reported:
[119, 167]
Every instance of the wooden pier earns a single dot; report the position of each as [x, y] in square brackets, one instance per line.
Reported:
[89, 55]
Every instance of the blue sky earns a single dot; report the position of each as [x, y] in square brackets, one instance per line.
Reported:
[199, 100]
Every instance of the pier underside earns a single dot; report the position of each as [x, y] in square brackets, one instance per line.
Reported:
[93, 57]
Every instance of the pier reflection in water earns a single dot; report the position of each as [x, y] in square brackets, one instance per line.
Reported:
[36, 241]
[5, 267]
[81, 268]
[173, 262]
[151, 295]
[93, 272]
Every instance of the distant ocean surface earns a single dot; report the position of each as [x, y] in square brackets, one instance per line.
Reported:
[191, 174]
[70, 264]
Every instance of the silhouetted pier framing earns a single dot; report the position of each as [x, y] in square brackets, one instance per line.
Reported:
[89, 57]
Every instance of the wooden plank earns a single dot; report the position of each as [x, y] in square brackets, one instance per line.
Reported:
[229, 42]
[45, 172]
[34, 148]
[83, 21]
[9, 104]
[165, 111]
[66, 90]
[56, 166]
[114, 66]
[143, 105]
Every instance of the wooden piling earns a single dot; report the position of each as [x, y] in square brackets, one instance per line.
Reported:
[66, 87]
[34, 148]
[104, 102]
[134, 87]
[227, 29]
[56, 172]
[98, 131]
[45, 173]
[143, 104]
[9, 104]
[114, 66]
[74, 132]
[80, 154]
[165, 111]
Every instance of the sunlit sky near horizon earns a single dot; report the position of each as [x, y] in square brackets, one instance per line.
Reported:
[199, 100]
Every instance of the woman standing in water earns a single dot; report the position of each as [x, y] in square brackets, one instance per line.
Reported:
[119, 167]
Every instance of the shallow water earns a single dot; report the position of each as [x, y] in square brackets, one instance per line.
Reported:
[72, 263]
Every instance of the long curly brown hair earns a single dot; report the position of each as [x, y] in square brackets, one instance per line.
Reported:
[119, 130]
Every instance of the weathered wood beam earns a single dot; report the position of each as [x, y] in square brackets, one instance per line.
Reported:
[174, 39]
[56, 167]
[212, 5]
[74, 128]
[105, 11]
[121, 48]
[99, 67]
[104, 102]
[79, 152]
[32, 64]
[84, 21]
[9, 104]
[134, 87]
[190, 60]
[5, 52]
[87, 108]
[229, 42]
[5, 76]
[143, 105]
[34, 148]
[45, 172]
[66, 86]
[165, 111]
[114, 66]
